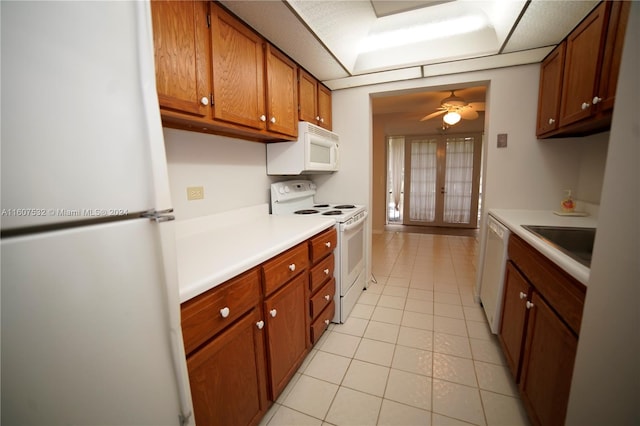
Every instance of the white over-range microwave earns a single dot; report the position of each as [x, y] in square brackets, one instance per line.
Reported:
[315, 151]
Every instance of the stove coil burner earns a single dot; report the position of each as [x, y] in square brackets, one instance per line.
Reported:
[306, 211]
[321, 206]
[345, 206]
[332, 213]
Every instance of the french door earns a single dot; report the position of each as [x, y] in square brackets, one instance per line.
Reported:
[442, 180]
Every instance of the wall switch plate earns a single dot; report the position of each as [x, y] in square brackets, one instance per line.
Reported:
[195, 193]
[502, 140]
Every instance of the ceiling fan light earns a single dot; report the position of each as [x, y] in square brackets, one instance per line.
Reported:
[451, 118]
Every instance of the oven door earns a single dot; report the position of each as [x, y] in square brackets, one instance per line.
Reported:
[352, 252]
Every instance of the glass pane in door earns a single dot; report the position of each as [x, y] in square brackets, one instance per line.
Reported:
[458, 186]
[422, 203]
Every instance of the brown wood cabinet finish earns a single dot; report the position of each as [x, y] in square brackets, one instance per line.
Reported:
[287, 327]
[315, 101]
[550, 91]
[539, 332]
[227, 376]
[279, 270]
[514, 314]
[322, 298]
[323, 244]
[238, 71]
[583, 59]
[204, 316]
[547, 365]
[282, 93]
[321, 273]
[181, 48]
[320, 324]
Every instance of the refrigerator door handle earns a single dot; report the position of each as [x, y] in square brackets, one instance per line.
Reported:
[159, 216]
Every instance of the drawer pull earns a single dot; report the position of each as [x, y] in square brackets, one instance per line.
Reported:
[273, 313]
[292, 267]
[224, 312]
[523, 295]
[326, 271]
[529, 305]
[327, 296]
[328, 244]
[326, 322]
[585, 106]
[260, 325]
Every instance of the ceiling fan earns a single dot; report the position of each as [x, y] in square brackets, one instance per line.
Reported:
[454, 107]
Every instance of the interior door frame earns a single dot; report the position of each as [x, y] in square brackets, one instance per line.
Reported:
[440, 180]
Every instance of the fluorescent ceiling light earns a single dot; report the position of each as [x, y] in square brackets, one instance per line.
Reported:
[423, 32]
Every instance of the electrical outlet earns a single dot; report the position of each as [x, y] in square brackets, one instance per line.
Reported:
[195, 193]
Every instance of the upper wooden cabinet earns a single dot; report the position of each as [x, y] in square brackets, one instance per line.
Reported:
[181, 46]
[216, 75]
[315, 101]
[550, 91]
[238, 71]
[589, 74]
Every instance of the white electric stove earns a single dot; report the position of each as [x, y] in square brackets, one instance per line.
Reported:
[298, 197]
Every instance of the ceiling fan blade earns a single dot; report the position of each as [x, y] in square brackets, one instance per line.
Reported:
[433, 114]
[468, 114]
[478, 106]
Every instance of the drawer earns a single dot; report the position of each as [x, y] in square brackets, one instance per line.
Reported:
[323, 244]
[322, 322]
[322, 298]
[207, 314]
[285, 266]
[321, 273]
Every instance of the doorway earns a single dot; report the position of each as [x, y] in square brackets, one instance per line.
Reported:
[434, 180]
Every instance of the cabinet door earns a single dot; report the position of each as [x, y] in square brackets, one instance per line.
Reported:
[287, 327]
[181, 47]
[282, 93]
[307, 92]
[514, 315]
[547, 365]
[613, 54]
[238, 71]
[583, 58]
[227, 376]
[324, 107]
[550, 91]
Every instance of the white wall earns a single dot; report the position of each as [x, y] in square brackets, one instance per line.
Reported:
[233, 172]
[606, 376]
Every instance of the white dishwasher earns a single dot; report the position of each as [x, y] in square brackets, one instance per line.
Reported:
[495, 259]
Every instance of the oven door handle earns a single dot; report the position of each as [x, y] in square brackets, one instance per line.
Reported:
[346, 228]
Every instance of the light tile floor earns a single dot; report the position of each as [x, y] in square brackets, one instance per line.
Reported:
[416, 349]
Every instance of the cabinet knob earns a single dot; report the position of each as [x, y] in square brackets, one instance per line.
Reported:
[551, 121]
[327, 296]
[523, 295]
[273, 313]
[204, 101]
[585, 105]
[326, 322]
[260, 325]
[529, 305]
[224, 312]
[263, 117]
[292, 267]
[321, 120]
[273, 120]
[328, 244]
[317, 118]
[596, 99]
[326, 271]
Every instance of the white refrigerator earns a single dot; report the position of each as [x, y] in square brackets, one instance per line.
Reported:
[90, 330]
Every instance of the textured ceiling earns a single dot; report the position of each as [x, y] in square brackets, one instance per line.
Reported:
[325, 36]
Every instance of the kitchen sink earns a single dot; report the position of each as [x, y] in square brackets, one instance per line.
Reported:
[577, 243]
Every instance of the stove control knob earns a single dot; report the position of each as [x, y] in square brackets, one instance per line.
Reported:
[281, 190]
[312, 185]
[287, 189]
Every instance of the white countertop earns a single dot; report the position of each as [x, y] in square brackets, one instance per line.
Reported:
[514, 219]
[213, 249]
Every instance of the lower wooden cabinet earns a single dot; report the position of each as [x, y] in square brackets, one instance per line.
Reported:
[542, 311]
[286, 327]
[227, 376]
